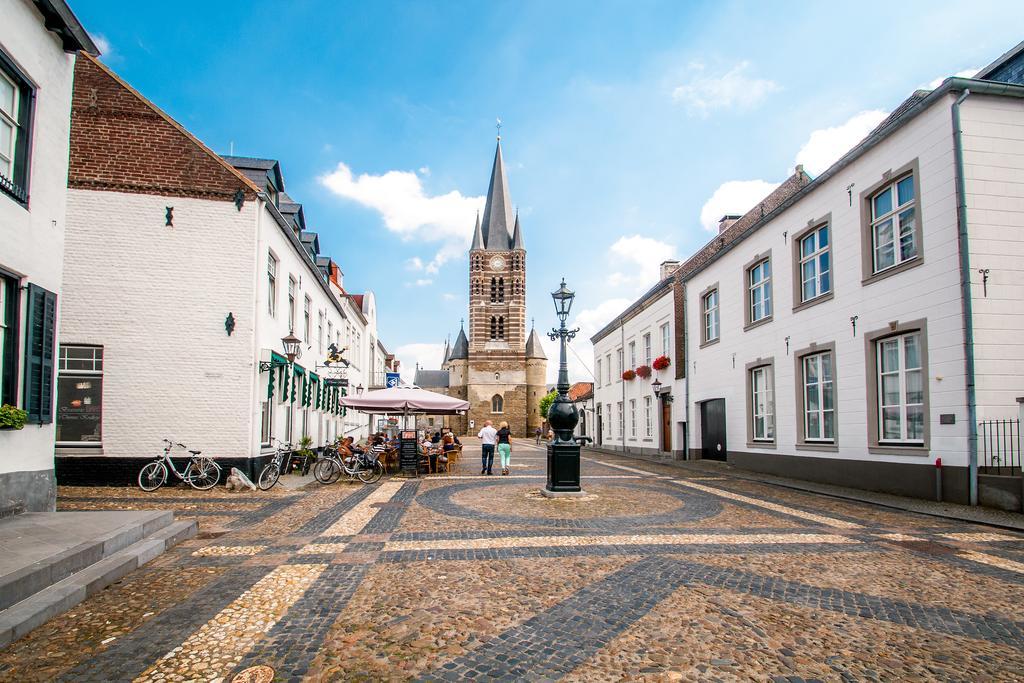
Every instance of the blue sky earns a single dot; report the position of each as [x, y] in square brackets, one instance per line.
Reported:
[623, 122]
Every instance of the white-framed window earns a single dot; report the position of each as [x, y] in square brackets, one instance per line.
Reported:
[710, 308]
[900, 389]
[815, 264]
[271, 284]
[330, 331]
[647, 416]
[305, 422]
[647, 349]
[292, 285]
[10, 101]
[80, 396]
[759, 279]
[608, 367]
[307, 319]
[597, 375]
[608, 418]
[893, 216]
[8, 341]
[762, 404]
[320, 331]
[267, 422]
[632, 417]
[819, 398]
[632, 354]
[622, 425]
[618, 355]
[289, 418]
[497, 404]
[665, 340]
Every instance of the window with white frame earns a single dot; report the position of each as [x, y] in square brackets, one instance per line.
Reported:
[307, 319]
[647, 416]
[900, 389]
[893, 216]
[320, 331]
[665, 341]
[632, 354]
[271, 284]
[267, 423]
[9, 103]
[608, 380]
[80, 396]
[759, 282]
[16, 97]
[632, 417]
[647, 349]
[618, 356]
[819, 398]
[291, 303]
[815, 264]
[762, 404]
[608, 418]
[711, 323]
[289, 417]
[622, 425]
[330, 331]
[597, 375]
[8, 340]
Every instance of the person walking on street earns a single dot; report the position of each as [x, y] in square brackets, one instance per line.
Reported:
[488, 437]
[505, 447]
[537, 432]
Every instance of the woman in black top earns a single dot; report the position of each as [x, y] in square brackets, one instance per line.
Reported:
[505, 447]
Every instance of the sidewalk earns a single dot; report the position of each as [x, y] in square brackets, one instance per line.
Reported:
[965, 513]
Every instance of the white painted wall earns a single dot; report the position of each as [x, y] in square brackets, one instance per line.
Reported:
[929, 291]
[993, 144]
[648, 321]
[32, 240]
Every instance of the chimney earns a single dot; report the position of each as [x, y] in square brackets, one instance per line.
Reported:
[725, 221]
[336, 275]
[667, 268]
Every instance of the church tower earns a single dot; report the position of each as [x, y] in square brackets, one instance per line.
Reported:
[497, 385]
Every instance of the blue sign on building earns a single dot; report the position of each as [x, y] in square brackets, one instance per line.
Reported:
[391, 380]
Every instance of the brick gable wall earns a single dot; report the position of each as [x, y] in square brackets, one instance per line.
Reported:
[121, 142]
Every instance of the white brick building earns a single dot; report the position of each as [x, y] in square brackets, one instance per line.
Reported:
[182, 282]
[38, 41]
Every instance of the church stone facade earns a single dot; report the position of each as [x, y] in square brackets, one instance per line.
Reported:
[498, 368]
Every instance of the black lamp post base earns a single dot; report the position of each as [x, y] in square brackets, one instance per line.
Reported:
[563, 469]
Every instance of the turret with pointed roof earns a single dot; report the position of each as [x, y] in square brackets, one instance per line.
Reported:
[534, 349]
[478, 236]
[460, 350]
[517, 235]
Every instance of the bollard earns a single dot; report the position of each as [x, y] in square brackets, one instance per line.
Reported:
[938, 480]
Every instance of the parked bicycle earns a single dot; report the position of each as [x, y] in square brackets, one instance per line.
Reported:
[272, 472]
[331, 465]
[200, 473]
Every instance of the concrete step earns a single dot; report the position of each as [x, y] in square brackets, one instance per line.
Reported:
[25, 581]
[53, 600]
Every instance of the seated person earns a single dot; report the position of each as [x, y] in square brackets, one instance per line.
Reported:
[436, 439]
[448, 443]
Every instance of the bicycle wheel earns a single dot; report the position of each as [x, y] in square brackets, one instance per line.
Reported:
[324, 472]
[202, 473]
[268, 477]
[152, 476]
[369, 474]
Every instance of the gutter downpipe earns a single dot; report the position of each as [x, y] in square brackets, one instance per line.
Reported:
[965, 299]
[622, 425]
[686, 377]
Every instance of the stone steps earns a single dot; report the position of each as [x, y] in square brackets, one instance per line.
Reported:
[36, 593]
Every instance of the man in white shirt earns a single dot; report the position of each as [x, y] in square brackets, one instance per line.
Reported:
[488, 438]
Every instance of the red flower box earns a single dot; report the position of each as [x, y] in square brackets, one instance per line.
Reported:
[629, 375]
[661, 362]
[643, 371]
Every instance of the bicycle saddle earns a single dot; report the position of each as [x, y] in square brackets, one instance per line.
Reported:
[195, 452]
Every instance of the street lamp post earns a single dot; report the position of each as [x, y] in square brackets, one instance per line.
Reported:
[563, 452]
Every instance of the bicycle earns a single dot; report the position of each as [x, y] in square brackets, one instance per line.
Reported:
[200, 473]
[272, 472]
[331, 465]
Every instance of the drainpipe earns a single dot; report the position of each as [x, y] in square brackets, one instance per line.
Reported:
[686, 379]
[965, 299]
[622, 336]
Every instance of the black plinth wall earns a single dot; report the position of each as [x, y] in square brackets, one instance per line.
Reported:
[563, 467]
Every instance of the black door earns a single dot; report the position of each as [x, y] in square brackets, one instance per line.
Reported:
[712, 429]
[599, 427]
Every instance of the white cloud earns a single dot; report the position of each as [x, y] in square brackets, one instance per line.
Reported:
[589, 321]
[415, 263]
[733, 89]
[424, 170]
[408, 211]
[826, 145]
[733, 197]
[427, 355]
[966, 73]
[104, 46]
[422, 282]
[448, 296]
[637, 258]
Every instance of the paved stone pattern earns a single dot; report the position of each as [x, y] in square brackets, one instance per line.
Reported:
[660, 573]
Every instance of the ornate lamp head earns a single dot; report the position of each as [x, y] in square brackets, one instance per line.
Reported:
[291, 345]
[563, 297]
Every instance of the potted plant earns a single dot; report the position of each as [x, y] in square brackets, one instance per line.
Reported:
[12, 417]
[661, 362]
[629, 375]
[644, 371]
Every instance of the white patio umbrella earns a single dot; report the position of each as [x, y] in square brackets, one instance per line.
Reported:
[406, 401]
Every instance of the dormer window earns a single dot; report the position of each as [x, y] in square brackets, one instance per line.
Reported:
[273, 195]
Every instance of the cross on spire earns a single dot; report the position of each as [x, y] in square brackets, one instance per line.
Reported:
[498, 126]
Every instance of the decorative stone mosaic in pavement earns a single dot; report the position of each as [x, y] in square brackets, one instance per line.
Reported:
[655, 575]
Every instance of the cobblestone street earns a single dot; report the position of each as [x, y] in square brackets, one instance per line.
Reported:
[657, 574]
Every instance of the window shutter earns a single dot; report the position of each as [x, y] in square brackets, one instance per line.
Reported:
[39, 351]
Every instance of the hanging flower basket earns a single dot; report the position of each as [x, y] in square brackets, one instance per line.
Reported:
[629, 375]
[12, 417]
[643, 371]
[661, 362]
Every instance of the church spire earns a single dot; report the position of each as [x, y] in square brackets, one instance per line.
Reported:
[478, 237]
[498, 209]
[517, 236]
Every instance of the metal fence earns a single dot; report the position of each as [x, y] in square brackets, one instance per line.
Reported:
[999, 447]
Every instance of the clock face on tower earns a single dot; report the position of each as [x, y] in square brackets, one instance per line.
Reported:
[497, 263]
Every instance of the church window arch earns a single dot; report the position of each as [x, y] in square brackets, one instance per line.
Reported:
[497, 404]
[501, 289]
[501, 327]
[494, 327]
[494, 289]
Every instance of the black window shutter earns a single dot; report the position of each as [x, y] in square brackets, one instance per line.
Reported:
[41, 321]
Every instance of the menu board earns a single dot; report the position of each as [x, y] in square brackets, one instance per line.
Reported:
[408, 457]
